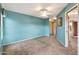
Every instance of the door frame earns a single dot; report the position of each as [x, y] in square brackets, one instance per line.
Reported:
[66, 25]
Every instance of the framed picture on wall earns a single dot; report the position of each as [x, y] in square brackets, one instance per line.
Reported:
[59, 21]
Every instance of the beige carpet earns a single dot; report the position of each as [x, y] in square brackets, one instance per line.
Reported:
[38, 46]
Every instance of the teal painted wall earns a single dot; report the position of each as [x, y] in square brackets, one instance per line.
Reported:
[47, 27]
[61, 30]
[0, 32]
[19, 26]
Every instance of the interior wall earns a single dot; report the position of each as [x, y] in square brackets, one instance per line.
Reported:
[61, 30]
[0, 23]
[0, 31]
[18, 27]
[47, 27]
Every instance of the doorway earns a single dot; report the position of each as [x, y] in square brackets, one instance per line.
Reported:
[52, 23]
[71, 25]
[75, 25]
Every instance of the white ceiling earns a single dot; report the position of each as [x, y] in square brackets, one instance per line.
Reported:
[34, 8]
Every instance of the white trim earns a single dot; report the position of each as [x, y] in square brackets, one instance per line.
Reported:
[23, 40]
[71, 8]
[66, 38]
[1, 33]
[60, 42]
[1, 27]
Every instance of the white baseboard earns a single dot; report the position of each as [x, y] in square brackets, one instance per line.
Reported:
[24, 40]
[61, 42]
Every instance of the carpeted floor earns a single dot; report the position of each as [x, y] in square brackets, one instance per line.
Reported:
[38, 46]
